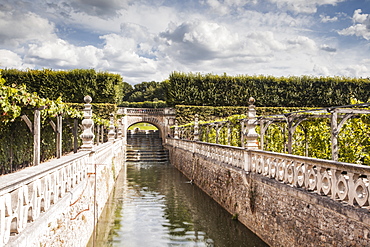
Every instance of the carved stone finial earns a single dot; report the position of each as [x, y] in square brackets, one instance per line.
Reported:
[196, 128]
[87, 135]
[87, 99]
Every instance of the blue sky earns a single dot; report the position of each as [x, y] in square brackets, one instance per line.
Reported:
[145, 40]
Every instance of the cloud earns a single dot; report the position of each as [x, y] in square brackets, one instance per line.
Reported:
[325, 19]
[327, 48]
[226, 7]
[61, 54]
[303, 6]
[103, 8]
[198, 41]
[360, 27]
[19, 28]
[10, 59]
[303, 43]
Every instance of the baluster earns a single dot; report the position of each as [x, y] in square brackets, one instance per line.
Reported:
[351, 187]
[8, 216]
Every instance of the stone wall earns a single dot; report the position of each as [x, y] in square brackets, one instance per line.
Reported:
[58, 203]
[280, 214]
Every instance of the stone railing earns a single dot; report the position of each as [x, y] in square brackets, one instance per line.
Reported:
[37, 203]
[144, 111]
[340, 181]
[26, 194]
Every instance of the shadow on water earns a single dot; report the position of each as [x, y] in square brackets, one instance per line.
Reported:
[155, 205]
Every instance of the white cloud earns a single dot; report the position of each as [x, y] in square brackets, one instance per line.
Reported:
[59, 53]
[19, 28]
[303, 6]
[325, 18]
[303, 43]
[360, 27]
[358, 17]
[10, 59]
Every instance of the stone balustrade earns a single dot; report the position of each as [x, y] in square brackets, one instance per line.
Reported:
[144, 111]
[344, 182]
[26, 194]
[65, 184]
[341, 181]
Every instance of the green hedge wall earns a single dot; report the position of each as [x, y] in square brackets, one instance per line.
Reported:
[71, 85]
[304, 91]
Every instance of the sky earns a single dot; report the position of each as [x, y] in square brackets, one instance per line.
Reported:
[146, 40]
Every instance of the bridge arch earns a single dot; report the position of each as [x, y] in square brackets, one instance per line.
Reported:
[162, 118]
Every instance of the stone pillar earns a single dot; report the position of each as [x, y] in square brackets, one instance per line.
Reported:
[59, 129]
[252, 141]
[334, 135]
[176, 134]
[228, 125]
[111, 133]
[196, 128]
[242, 133]
[120, 126]
[87, 135]
[36, 137]
[218, 128]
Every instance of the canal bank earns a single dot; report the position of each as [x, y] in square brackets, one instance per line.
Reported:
[156, 205]
[281, 214]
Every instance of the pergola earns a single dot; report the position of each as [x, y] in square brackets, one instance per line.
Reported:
[338, 115]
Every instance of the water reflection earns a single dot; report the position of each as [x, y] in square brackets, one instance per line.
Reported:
[155, 205]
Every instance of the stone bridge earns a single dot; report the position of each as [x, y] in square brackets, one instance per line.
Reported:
[162, 118]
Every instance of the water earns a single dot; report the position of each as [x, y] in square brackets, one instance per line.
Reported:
[155, 205]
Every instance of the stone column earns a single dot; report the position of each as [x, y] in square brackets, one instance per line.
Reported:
[120, 126]
[228, 125]
[334, 135]
[176, 134]
[87, 135]
[36, 137]
[59, 129]
[252, 141]
[242, 133]
[196, 128]
[111, 133]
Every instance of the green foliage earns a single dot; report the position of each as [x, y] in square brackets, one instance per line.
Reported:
[146, 91]
[70, 85]
[16, 149]
[15, 100]
[144, 104]
[186, 113]
[304, 91]
[312, 137]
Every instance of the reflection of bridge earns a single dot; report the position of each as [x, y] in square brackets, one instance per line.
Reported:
[161, 118]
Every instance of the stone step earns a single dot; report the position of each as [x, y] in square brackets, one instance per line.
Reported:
[145, 148]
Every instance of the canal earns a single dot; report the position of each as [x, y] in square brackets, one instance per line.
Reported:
[153, 204]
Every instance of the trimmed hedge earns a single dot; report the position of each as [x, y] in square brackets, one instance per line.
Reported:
[269, 91]
[72, 85]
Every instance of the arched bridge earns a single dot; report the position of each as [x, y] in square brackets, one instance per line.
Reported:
[162, 118]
